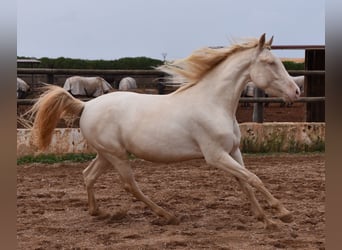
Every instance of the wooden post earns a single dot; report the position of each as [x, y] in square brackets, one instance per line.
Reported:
[50, 78]
[315, 84]
[258, 108]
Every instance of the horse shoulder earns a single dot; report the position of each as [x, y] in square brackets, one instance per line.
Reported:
[217, 130]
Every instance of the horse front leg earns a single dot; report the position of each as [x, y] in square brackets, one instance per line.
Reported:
[283, 214]
[227, 163]
[248, 190]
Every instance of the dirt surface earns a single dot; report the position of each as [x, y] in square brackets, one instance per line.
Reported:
[52, 206]
[274, 112]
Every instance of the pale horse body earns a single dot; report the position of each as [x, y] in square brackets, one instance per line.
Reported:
[198, 120]
[127, 83]
[87, 86]
[22, 88]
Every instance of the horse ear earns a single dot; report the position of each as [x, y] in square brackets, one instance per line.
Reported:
[269, 43]
[262, 41]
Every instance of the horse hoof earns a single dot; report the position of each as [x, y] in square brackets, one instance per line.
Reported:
[97, 212]
[94, 213]
[173, 221]
[271, 225]
[287, 218]
[260, 217]
[169, 221]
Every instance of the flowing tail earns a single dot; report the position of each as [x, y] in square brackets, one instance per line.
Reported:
[52, 105]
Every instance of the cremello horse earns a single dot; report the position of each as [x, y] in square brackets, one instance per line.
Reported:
[199, 122]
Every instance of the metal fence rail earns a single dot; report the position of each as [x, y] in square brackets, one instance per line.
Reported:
[44, 71]
[313, 61]
[242, 100]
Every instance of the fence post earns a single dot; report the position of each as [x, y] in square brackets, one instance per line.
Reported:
[258, 108]
[315, 84]
[50, 78]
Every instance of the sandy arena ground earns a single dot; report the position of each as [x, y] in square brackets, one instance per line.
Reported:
[52, 206]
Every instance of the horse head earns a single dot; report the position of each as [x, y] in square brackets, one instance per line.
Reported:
[269, 73]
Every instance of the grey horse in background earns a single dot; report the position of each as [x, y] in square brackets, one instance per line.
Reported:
[127, 83]
[22, 88]
[87, 86]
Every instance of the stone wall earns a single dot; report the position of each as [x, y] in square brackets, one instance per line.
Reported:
[282, 137]
[255, 138]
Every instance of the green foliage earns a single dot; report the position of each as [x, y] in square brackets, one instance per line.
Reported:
[289, 65]
[123, 63]
[51, 158]
[275, 143]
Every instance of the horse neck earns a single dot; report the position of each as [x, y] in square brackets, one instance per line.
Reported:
[224, 84]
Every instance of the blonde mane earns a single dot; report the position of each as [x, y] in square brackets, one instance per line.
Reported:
[190, 70]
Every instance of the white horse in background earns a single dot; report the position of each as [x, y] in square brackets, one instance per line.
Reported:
[127, 83]
[22, 88]
[299, 80]
[87, 86]
[200, 120]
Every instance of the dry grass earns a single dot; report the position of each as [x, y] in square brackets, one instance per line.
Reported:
[291, 59]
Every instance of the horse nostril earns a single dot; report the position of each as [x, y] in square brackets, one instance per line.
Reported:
[297, 92]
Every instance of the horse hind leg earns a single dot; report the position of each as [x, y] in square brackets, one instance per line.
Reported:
[90, 175]
[130, 185]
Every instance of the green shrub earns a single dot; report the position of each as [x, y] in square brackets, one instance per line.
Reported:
[122, 63]
[290, 65]
[51, 158]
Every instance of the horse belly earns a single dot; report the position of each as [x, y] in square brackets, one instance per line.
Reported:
[162, 147]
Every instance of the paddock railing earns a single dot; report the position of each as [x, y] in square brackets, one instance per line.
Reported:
[314, 73]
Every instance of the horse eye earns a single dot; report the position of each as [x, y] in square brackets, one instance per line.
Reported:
[267, 59]
[271, 62]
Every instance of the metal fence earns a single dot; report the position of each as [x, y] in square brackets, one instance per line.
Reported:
[153, 76]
